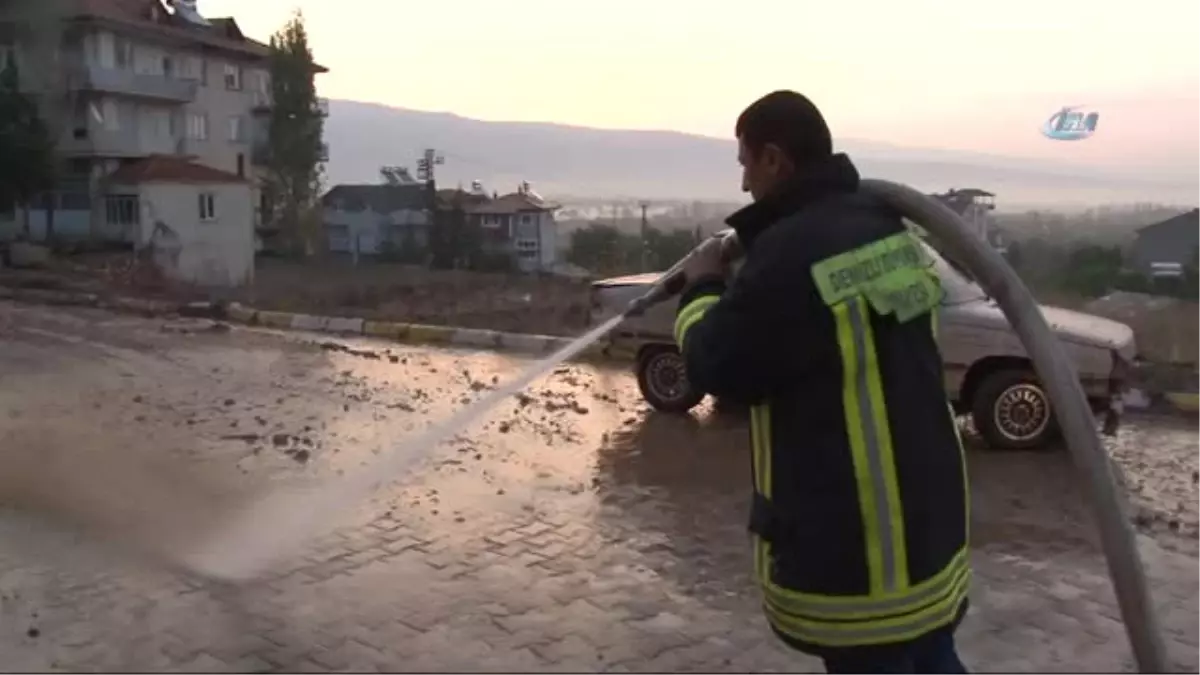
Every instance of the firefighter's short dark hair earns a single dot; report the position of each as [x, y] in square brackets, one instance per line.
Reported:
[789, 120]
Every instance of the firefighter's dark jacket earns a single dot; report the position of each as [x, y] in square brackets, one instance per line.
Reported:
[860, 503]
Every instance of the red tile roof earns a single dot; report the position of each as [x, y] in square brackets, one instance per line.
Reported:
[168, 169]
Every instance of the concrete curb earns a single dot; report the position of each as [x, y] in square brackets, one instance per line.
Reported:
[409, 333]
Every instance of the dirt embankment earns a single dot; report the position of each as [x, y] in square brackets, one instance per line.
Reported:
[384, 291]
[505, 302]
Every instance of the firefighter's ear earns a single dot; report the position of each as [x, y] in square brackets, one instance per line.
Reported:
[775, 160]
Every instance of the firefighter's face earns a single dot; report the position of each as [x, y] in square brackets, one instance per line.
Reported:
[762, 170]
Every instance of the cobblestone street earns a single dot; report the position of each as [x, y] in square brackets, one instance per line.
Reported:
[572, 531]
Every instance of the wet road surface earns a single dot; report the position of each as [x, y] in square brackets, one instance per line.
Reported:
[572, 530]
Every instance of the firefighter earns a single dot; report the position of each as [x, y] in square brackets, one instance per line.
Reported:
[828, 332]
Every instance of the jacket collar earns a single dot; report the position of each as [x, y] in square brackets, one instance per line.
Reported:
[835, 174]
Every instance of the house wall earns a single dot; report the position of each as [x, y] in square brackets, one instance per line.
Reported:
[137, 126]
[371, 229]
[1171, 243]
[221, 105]
[548, 229]
[218, 252]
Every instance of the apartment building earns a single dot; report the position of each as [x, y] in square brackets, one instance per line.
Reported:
[151, 78]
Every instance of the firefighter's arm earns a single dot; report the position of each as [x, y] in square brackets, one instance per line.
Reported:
[744, 340]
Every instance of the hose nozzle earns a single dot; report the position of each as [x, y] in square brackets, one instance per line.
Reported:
[673, 281]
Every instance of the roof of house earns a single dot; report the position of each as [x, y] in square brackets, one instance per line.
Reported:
[459, 197]
[1183, 221]
[170, 169]
[151, 15]
[379, 198]
[515, 202]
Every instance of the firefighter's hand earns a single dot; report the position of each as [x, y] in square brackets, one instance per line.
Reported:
[706, 260]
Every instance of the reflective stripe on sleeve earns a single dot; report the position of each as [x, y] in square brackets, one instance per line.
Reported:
[689, 315]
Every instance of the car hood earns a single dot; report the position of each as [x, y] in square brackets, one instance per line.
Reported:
[1072, 326]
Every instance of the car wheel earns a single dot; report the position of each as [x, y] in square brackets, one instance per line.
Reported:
[662, 378]
[1012, 411]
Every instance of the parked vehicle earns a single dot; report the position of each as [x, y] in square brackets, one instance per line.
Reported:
[988, 373]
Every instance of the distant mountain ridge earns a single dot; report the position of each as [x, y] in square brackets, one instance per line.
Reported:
[600, 163]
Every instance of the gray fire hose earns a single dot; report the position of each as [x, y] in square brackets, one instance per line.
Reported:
[1057, 374]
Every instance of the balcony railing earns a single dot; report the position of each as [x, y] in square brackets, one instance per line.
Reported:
[262, 102]
[129, 83]
[105, 143]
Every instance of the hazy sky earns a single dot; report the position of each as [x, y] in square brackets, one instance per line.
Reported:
[934, 73]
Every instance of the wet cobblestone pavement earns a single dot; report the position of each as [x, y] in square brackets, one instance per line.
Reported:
[572, 531]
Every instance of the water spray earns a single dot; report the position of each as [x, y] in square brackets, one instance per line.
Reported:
[279, 525]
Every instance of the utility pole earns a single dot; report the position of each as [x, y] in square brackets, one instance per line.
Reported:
[645, 238]
[425, 164]
[425, 172]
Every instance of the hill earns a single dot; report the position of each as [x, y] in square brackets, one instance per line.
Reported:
[563, 160]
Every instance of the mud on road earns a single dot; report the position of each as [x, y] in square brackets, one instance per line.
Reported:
[573, 529]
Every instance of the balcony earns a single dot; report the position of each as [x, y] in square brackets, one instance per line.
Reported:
[105, 143]
[128, 83]
[262, 103]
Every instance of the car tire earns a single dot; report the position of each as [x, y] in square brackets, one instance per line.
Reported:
[1012, 411]
[662, 379]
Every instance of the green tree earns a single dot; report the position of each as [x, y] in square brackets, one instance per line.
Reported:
[295, 151]
[27, 155]
[665, 248]
[1093, 271]
[410, 251]
[455, 241]
[600, 248]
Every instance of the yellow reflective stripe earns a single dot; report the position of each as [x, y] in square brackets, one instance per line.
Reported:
[860, 607]
[692, 313]
[760, 460]
[883, 454]
[881, 631]
[871, 450]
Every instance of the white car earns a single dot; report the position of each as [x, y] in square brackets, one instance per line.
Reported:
[988, 373]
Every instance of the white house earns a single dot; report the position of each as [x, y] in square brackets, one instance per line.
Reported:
[521, 224]
[367, 219]
[198, 220]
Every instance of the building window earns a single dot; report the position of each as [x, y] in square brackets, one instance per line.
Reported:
[526, 219]
[208, 206]
[233, 76]
[527, 249]
[124, 53]
[190, 67]
[159, 121]
[237, 132]
[121, 209]
[197, 126]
